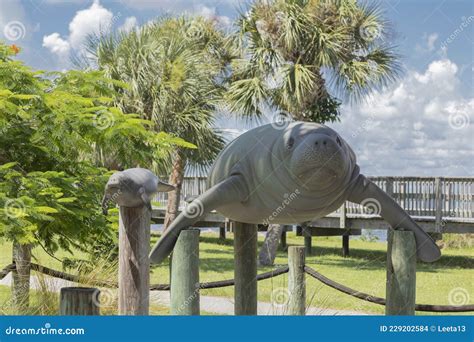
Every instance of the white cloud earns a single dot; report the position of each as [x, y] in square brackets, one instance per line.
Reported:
[207, 8]
[57, 45]
[178, 5]
[429, 42]
[422, 126]
[93, 20]
[210, 13]
[129, 24]
[62, 2]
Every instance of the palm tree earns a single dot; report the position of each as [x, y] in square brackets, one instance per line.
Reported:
[174, 68]
[304, 56]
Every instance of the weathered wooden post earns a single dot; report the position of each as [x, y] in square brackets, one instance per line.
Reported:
[296, 281]
[345, 236]
[79, 301]
[185, 274]
[438, 202]
[307, 238]
[245, 268]
[222, 230]
[286, 228]
[401, 273]
[345, 245]
[134, 264]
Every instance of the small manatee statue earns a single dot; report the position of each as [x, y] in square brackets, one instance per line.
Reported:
[291, 174]
[133, 188]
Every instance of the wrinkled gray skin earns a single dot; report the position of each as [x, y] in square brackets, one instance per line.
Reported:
[132, 188]
[284, 176]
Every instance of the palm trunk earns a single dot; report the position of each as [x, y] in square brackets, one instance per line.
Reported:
[21, 277]
[176, 179]
[269, 248]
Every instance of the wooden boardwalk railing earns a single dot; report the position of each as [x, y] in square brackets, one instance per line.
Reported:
[438, 204]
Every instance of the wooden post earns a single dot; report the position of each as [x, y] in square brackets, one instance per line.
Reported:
[342, 225]
[79, 301]
[345, 245]
[245, 268]
[438, 206]
[222, 232]
[185, 274]
[21, 277]
[308, 244]
[283, 238]
[134, 264]
[296, 281]
[307, 239]
[401, 273]
[389, 187]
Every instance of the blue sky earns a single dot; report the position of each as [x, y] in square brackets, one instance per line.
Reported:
[423, 123]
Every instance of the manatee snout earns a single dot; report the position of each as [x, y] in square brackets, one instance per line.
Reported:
[114, 181]
[121, 190]
[318, 159]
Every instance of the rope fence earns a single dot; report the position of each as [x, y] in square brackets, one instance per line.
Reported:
[231, 282]
[381, 301]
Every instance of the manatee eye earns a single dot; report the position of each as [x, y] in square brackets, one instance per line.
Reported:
[290, 143]
[338, 141]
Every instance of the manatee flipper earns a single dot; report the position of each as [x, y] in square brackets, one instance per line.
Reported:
[366, 192]
[232, 189]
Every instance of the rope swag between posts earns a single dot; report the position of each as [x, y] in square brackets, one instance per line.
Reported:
[267, 275]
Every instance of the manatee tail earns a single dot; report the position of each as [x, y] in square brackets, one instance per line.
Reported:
[227, 191]
[367, 193]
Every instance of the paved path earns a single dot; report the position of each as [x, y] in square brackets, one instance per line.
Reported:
[225, 306]
[209, 304]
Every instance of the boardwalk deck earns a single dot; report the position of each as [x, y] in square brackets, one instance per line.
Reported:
[437, 204]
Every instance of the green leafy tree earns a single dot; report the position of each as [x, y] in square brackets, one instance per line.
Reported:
[175, 69]
[55, 130]
[304, 56]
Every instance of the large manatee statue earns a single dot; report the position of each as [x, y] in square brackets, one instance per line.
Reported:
[289, 175]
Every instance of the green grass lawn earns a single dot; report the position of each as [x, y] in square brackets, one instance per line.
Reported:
[47, 303]
[364, 270]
